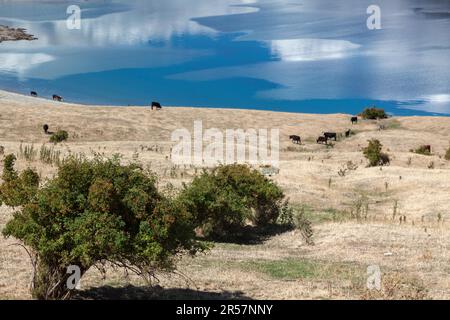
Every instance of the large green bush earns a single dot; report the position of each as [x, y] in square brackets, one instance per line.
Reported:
[229, 197]
[373, 153]
[373, 114]
[96, 211]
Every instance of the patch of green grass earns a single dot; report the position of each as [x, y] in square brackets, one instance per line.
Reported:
[324, 216]
[292, 269]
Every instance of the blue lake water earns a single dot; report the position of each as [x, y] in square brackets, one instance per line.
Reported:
[297, 55]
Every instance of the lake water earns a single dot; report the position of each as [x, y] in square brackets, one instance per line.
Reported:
[283, 55]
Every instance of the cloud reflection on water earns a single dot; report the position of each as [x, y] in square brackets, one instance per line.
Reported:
[314, 49]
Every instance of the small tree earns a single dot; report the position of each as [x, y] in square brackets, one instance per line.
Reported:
[374, 114]
[224, 200]
[373, 153]
[97, 211]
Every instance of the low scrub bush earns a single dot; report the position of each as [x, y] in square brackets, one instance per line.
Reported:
[447, 154]
[229, 197]
[59, 136]
[373, 153]
[423, 150]
[374, 114]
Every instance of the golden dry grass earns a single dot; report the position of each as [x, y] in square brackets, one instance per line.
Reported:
[283, 267]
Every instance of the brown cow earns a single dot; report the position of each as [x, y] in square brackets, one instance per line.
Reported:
[57, 98]
[323, 140]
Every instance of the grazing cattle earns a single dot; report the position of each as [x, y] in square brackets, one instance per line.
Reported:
[330, 135]
[46, 127]
[296, 139]
[348, 133]
[57, 98]
[322, 140]
[354, 120]
[156, 105]
[33, 94]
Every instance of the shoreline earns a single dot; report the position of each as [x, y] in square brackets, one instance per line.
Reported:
[87, 105]
[20, 96]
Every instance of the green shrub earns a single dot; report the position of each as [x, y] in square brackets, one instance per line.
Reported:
[16, 189]
[226, 199]
[447, 154]
[373, 114]
[59, 136]
[96, 211]
[373, 153]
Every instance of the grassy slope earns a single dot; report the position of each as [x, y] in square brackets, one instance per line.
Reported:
[282, 267]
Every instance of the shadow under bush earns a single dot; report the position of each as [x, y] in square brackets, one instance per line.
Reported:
[154, 293]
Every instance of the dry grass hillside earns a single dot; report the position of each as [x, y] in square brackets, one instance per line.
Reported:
[355, 209]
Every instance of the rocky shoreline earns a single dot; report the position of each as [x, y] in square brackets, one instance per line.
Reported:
[14, 34]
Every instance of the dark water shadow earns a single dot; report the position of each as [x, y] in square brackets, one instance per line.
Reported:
[155, 293]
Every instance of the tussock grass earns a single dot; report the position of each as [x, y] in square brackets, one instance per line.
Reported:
[49, 155]
[27, 152]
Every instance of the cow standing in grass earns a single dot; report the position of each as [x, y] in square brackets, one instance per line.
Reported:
[57, 98]
[348, 133]
[156, 105]
[330, 135]
[296, 139]
[322, 140]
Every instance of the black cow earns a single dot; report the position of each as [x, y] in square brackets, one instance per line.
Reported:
[33, 94]
[46, 127]
[330, 135]
[348, 133]
[296, 139]
[354, 120]
[322, 140]
[156, 105]
[57, 98]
